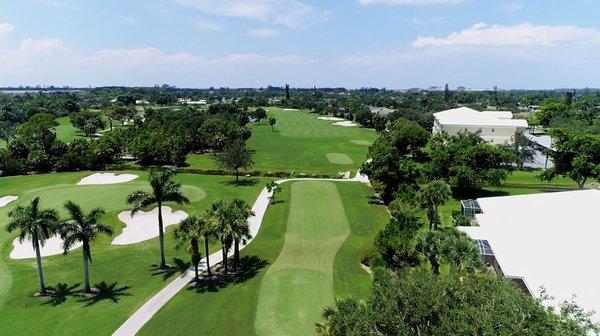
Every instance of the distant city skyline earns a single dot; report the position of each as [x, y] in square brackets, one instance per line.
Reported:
[396, 44]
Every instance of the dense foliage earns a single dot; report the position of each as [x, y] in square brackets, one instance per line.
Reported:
[420, 303]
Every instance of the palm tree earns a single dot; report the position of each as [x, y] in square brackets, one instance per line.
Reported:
[35, 224]
[85, 228]
[241, 228]
[188, 234]
[208, 230]
[222, 214]
[460, 252]
[430, 246]
[432, 196]
[273, 187]
[164, 189]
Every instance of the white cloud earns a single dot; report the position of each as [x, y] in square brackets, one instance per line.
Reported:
[263, 32]
[5, 29]
[51, 62]
[525, 34]
[409, 2]
[511, 6]
[289, 13]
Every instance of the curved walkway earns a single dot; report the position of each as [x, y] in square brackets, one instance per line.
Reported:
[141, 316]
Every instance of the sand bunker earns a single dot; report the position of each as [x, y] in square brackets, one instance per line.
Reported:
[339, 158]
[362, 142]
[290, 109]
[106, 178]
[144, 225]
[331, 118]
[345, 123]
[24, 250]
[4, 200]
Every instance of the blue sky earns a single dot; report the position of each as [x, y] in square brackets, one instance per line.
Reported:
[351, 43]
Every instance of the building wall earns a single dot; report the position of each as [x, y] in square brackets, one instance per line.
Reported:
[494, 135]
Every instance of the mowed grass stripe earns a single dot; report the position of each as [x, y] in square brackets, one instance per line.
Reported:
[300, 283]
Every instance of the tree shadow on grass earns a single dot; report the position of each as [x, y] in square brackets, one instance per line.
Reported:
[374, 200]
[248, 269]
[244, 182]
[179, 266]
[60, 293]
[477, 193]
[105, 291]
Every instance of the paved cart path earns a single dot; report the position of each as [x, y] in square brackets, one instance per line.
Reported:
[141, 316]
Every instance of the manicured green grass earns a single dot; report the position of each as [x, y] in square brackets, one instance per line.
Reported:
[128, 267]
[65, 131]
[300, 144]
[314, 266]
[530, 177]
[300, 283]
[339, 158]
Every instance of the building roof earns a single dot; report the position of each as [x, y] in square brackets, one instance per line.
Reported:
[465, 116]
[550, 240]
[542, 140]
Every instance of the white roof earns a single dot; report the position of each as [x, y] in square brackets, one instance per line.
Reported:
[542, 140]
[549, 240]
[465, 116]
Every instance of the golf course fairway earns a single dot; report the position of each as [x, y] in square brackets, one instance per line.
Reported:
[299, 284]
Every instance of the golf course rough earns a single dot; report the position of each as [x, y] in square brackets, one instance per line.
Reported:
[299, 284]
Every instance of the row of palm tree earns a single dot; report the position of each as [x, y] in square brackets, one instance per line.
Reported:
[38, 225]
[226, 222]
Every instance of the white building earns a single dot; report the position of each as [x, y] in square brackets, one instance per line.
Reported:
[494, 126]
[188, 101]
[547, 240]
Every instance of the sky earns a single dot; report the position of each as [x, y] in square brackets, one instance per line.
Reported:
[479, 44]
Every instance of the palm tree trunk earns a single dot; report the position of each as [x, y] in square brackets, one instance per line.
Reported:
[38, 258]
[161, 237]
[206, 251]
[195, 257]
[86, 269]
[236, 254]
[224, 249]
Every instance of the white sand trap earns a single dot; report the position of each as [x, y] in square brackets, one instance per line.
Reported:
[106, 178]
[144, 225]
[4, 200]
[345, 123]
[24, 250]
[331, 118]
[290, 109]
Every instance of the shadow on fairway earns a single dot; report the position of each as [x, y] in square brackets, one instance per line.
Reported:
[248, 269]
[61, 292]
[105, 291]
[179, 266]
[246, 182]
[374, 200]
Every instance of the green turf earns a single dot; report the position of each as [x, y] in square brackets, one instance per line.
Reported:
[362, 142]
[65, 131]
[233, 309]
[129, 266]
[300, 144]
[300, 283]
[339, 158]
